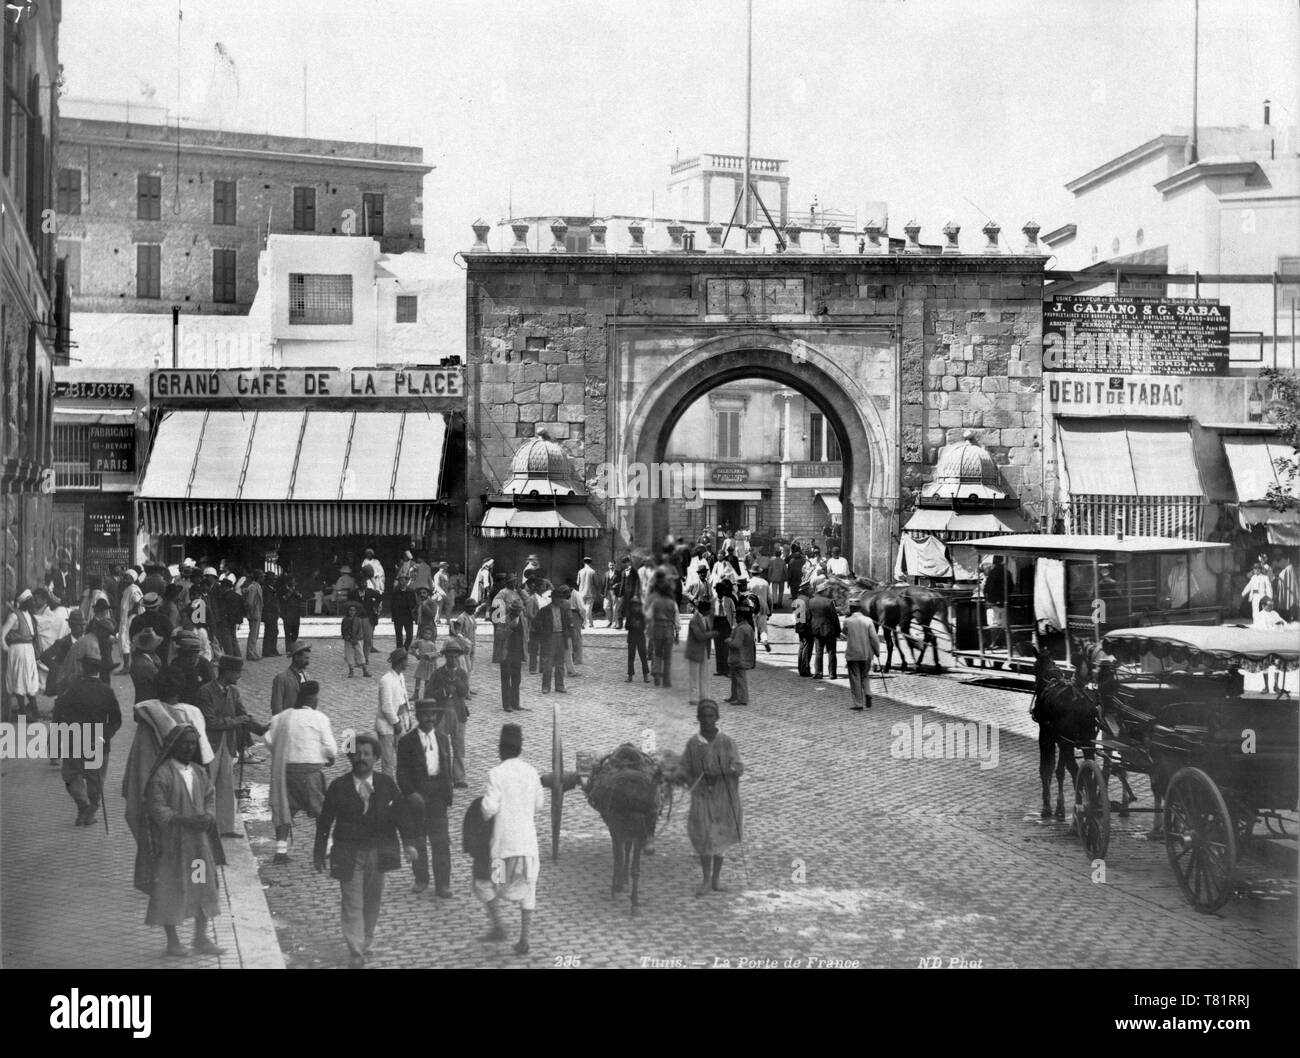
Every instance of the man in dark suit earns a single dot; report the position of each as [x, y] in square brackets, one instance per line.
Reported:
[553, 627]
[284, 688]
[424, 777]
[366, 812]
[824, 627]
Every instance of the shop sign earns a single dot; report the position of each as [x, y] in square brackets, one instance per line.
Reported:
[730, 474]
[112, 448]
[293, 384]
[1143, 336]
[94, 390]
[1145, 394]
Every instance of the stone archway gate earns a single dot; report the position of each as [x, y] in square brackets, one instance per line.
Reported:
[901, 352]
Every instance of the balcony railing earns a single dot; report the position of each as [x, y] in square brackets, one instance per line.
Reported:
[76, 476]
[817, 470]
[730, 161]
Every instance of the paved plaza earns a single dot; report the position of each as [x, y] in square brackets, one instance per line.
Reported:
[851, 854]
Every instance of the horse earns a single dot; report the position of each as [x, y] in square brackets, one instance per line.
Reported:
[629, 789]
[926, 604]
[1068, 717]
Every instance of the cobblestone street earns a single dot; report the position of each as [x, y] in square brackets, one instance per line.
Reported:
[849, 854]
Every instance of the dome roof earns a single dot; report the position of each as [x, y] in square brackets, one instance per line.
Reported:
[965, 471]
[540, 457]
[541, 469]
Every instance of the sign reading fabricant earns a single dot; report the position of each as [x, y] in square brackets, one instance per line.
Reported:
[1135, 336]
[296, 384]
[94, 390]
[754, 297]
[730, 474]
[112, 448]
[1082, 394]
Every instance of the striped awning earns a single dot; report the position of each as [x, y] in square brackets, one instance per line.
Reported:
[570, 522]
[200, 518]
[266, 456]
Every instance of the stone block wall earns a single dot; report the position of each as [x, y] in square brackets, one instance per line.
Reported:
[931, 344]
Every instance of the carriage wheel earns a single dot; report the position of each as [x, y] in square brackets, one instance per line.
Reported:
[1200, 839]
[1092, 809]
[1243, 816]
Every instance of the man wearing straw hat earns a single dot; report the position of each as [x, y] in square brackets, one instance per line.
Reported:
[285, 686]
[393, 718]
[145, 663]
[424, 775]
[451, 684]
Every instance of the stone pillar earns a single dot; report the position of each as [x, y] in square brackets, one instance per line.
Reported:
[675, 232]
[481, 229]
[521, 238]
[785, 204]
[991, 230]
[913, 232]
[597, 244]
[637, 233]
[739, 184]
[874, 231]
[708, 186]
[792, 238]
[1031, 230]
[558, 231]
[753, 238]
[715, 238]
[950, 233]
[831, 240]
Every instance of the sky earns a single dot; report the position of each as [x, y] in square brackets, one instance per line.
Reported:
[960, 110]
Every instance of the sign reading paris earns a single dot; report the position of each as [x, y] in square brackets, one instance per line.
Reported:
[1135, 336]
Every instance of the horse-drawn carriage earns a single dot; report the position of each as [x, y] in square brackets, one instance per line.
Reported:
[1083, 586]
[1184, 705]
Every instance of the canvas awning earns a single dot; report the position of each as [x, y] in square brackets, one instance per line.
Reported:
[567, 522]
[1126, 457]
[80, 415]
[293, 473]
[1254, 472]
[745, 495]
[932, 520]
[832, 501]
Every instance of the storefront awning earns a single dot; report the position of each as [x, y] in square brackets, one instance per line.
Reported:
[79, 415]
[320, 456]
[744, 495]
[251, 518]
[1126, 457]
[832, 500]
[976, 522]
[293, 473]
[1254, 471]
[569, 522]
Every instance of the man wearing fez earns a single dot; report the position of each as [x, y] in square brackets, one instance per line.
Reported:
[365, 812]
[512, 799]
[192, 671]
[424, 775]
[286, 685]
[180, 803]
[229, 726]
[302, 747]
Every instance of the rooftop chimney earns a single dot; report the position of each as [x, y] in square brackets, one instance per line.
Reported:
[1266, 104]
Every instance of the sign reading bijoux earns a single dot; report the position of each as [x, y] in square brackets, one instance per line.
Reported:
[95, 390]
[1135, 336]
[297, 384]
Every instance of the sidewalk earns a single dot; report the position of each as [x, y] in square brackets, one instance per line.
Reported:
[66, 893]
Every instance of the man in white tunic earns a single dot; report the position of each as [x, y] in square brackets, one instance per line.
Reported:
[512, 799]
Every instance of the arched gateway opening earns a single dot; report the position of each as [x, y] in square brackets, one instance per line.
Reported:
[854, 417]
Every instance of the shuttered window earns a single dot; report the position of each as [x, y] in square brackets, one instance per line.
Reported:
[304, 209]
[223, 276]
[148, 271]
[372, 208]
[148, 197]
[223, 202]
[727, 434]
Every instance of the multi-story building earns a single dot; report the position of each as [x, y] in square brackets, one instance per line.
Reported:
[318, 424]
[152, 216]
[211, 249]
[32, 319]
[763, 457]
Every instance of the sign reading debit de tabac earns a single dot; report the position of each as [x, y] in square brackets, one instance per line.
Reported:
[296, 384]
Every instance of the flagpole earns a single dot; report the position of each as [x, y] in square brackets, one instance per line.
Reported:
[747, 212]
